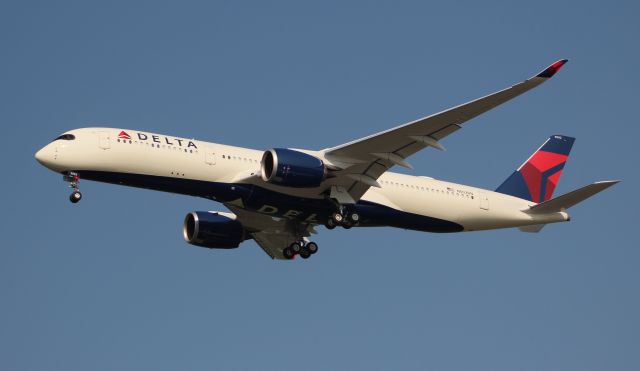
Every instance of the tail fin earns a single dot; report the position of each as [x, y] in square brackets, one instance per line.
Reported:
[537, 178]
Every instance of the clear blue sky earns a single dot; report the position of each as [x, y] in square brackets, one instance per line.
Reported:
[109, 284]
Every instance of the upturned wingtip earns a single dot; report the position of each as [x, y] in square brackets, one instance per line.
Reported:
[553, 69]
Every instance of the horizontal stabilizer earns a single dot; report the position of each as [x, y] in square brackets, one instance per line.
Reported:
[567, 200]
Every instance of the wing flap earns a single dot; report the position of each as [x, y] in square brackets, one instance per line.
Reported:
[273, 243]
[535, 228]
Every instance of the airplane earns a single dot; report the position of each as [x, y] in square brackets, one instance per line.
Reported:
[279, 196]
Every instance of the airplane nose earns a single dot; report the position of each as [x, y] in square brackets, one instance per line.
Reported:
[44, 156]
[40, 155]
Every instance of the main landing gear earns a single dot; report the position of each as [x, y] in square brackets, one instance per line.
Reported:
[73, 179]
[342, 218]
[302, 248]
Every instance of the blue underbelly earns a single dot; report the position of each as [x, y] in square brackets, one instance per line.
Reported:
[264, 201]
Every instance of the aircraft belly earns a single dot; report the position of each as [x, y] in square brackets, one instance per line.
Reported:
[319, 210]
[257, 199]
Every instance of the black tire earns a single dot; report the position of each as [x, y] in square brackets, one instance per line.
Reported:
[355, 217]
[305, 253]
[288, 253]
[295, 247]
[337, 218]
[312, 247]
[347, 224]
[75, 197]
[330, 224]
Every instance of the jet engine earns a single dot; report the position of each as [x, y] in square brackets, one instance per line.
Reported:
[291, 168]
[213, 230]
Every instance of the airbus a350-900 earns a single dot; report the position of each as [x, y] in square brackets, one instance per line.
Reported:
[279, 196]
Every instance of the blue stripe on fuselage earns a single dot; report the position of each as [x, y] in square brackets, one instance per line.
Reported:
[262, 200]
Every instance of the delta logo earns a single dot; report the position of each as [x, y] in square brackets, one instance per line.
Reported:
[159, 139]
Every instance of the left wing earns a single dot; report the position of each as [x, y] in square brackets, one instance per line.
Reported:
[272, 234]
[364, 160]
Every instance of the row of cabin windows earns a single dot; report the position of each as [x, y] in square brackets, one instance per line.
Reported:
[156, 145]
[186, 150]
[427, 189]
[238, 158]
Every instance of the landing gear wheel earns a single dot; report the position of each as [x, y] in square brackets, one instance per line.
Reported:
[330, 224]
[305, 253]
[337, 217]
[288, 253]
[312, 247]
[343, 216]
[295, 247]
[75, 197]
[355, 217]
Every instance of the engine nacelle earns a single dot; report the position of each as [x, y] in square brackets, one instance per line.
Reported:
[292, 168]
[212, 230]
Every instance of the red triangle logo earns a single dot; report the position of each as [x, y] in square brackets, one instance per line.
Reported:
[123, 135]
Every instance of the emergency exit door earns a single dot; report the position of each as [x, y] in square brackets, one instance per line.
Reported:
[104, 140]
[484, 201]
[210, 155]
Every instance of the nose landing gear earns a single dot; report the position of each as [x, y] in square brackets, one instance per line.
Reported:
[73, 179]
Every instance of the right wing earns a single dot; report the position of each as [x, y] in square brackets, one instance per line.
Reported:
[362, 161]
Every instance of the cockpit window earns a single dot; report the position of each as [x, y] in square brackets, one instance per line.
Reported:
[65, 137]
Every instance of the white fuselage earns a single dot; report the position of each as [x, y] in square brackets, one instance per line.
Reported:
[102, 151]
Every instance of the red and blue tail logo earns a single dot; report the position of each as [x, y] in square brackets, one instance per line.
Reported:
[537, 178]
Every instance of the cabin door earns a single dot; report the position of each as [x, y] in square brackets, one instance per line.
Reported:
[484, 201]
[210, 155]
[104, 140]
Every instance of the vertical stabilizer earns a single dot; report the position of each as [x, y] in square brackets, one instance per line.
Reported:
[537, 178]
